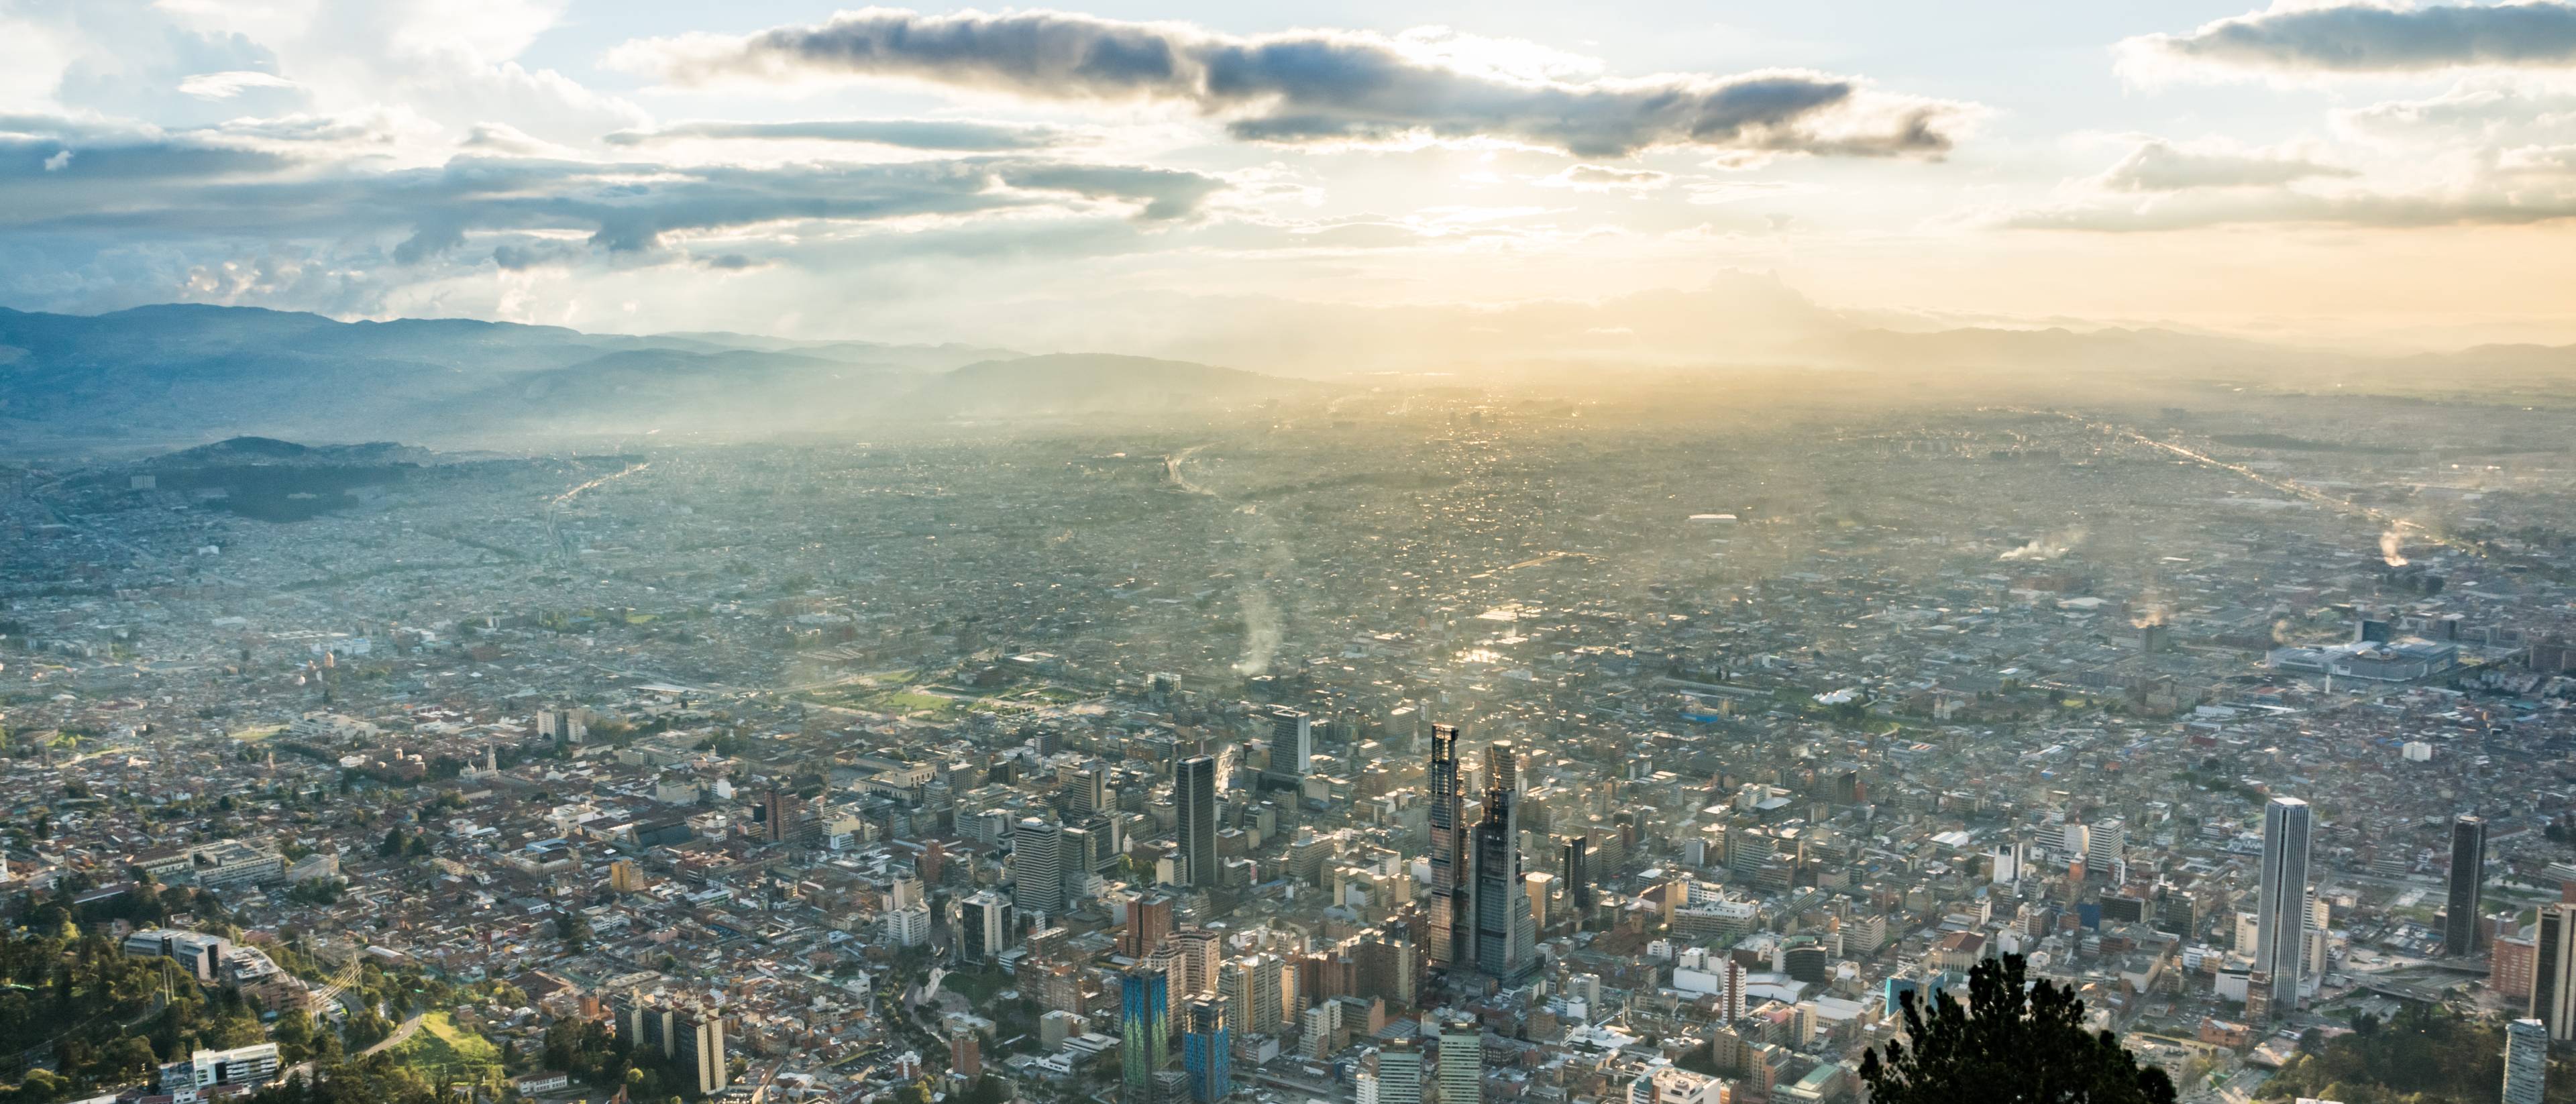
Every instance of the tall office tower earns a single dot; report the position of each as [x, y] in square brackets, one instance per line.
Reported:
[1573, 855]
[1399, 1072]
[1149, 922]
[777, 814]
[1037, 867]
[966, 1056]
[1292, 741]
[2526, 1061]
[1462, 1062]
[2468, 875]
[702, 1049]
[1201, 951]
[985, 927]
[1269, 999]
[563, 726]
[2553, 972]
[2281, 901]
[1506, 934]
[1144, 1031]
[1194, 796]
[1451, 937]
[1207, 1051]
[1084, 794]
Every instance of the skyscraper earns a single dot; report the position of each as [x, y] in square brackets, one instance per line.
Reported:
[1462, 1063]
[2553, 974]
[985, 927]
[1452, 932]
[2468, 877]
[1037, 867]
[1207, 1051]
[1399, 1072]
[2526, 1061]
[1144, 1031]
[1574, 857]
[1194, 793]
[1506, 933]
[2281, 901]
[1149, 922]
[1292, 741]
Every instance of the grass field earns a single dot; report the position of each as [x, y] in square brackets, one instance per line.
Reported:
[442, 1044]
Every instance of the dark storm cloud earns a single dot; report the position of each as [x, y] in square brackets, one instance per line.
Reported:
[2370, 38]
[1316, 86]
[920, 134]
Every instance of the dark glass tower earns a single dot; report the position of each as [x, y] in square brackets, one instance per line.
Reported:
[1574, 857]
[1452, 930]
[1506, 934]
[2468, 876]
[1194, 792]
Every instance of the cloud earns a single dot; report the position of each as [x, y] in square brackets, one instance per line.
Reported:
[1321, 86]
[1603, 178]
[2492, 109]
[2160, 166]
[920, 134]
[2345, 38]
[226, 85]
[2472, 206]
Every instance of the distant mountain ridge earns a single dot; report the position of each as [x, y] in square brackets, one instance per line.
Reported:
[184, 372]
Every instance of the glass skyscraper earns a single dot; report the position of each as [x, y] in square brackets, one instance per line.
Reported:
[1144, 1031]
[1207, 1051]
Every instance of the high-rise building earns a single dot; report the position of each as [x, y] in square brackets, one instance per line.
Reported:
[565, 727]
[778, 809]
[1451, 938]
[1399, 1072]
[1149, 922]
[2526, 1061]
[2281, 901]
[985, 927]
[1506, 934]
[1037, 867]
[2553, 973]
[1144, 1031]
[966, 1056]
[1292, 741]
[1462, 1062]
[2468, 877]
[1194, 795]
[1573, 856]
[1207, 1051]
[1083, 794]
[692, 1038]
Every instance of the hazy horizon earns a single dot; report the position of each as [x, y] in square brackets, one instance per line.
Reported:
[1115, 177]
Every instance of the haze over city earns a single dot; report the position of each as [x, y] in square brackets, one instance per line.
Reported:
[1663, 553]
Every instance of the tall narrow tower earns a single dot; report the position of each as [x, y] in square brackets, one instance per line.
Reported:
[1451, 927]
[1194, 799]
[1506, 933]
[2281, 902]
[2468, 876]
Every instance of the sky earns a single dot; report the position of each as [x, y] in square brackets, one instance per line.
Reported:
[2371, 175]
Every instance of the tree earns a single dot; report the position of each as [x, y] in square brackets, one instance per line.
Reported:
[2013, 1043]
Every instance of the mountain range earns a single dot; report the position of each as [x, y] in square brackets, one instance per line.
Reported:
[183, 373]
[180, 374]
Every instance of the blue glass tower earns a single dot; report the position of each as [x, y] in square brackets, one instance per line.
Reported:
[1144, 1031]
[1207, 1051]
